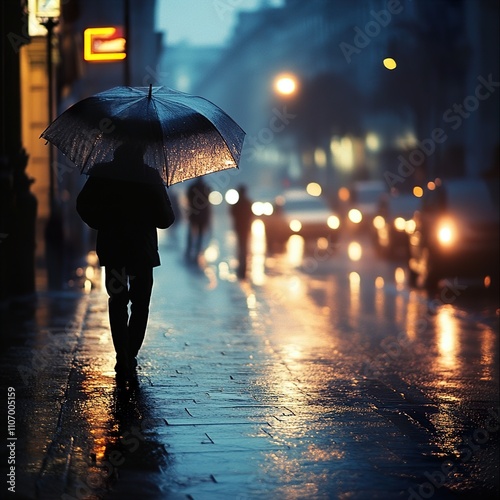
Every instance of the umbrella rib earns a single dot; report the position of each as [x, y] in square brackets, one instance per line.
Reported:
[133, 100]
[215, 128]
[165, 158]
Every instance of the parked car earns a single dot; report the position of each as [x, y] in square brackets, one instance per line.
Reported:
[364, 197]
[297, 212]
[393, 221]
[456, 233]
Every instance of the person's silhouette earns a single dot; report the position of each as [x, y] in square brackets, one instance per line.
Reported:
[199, 217]
[125, 201]
[242, 215]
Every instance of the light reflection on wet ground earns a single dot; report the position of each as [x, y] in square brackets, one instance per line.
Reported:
[341, 378]
[356, 321]
[121, 451]
[319, 374]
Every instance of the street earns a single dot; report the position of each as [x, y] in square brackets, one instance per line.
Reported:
[321, 376]
[333, 340]
[319, 181]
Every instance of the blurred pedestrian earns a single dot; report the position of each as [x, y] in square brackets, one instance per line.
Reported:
[126, 211]
[242, 216]
[199, 218]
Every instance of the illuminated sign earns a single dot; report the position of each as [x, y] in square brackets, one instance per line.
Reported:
[104, 44]
[48, 8]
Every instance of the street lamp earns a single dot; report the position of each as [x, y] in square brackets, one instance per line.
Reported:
[47, 13]
[286, 84]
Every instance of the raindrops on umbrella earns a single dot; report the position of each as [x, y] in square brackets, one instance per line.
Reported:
[182, 136]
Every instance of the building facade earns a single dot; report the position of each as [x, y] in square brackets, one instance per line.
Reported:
[35, 89]
[351, 117]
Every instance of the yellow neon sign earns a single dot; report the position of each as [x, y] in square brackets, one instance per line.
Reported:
[103, 44]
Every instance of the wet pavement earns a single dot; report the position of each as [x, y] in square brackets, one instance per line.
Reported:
[221, 409]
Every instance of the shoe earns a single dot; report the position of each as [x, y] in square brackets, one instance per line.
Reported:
[125, 368]
[122, 369]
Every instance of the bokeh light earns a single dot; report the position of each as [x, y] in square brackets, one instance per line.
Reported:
[314, 189]
[262, 208]
[333, 222]
[355, 215]
[215, 198]
[389, 63]
[344, 194]
[354, 251]
[232, 196]
[418, 191]
[285, 84]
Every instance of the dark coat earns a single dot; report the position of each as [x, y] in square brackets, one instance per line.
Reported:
[199, 209]
[242, 216]
[126, 215]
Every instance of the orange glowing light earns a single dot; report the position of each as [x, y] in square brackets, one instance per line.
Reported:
[344, 194]
[285, 84]
[104, 44]
[418, 191]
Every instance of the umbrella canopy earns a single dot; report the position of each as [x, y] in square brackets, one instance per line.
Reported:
[182, 136]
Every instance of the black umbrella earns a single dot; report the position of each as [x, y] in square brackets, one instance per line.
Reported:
[182, 136]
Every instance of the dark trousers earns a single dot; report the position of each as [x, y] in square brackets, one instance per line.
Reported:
[195, 239]
[128, 329]
[242, 240]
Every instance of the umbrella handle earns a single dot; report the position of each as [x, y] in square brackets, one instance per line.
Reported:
[150, 90]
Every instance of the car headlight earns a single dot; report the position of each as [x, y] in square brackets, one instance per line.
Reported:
[446, 233]
[295, 225]
[268, 208]
[355, 215]
[333, 222]
[262, 208]
[399, 224]
[410, 226]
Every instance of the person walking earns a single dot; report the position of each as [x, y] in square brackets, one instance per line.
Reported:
[242, 216]
[126, 201]
[199, 217]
